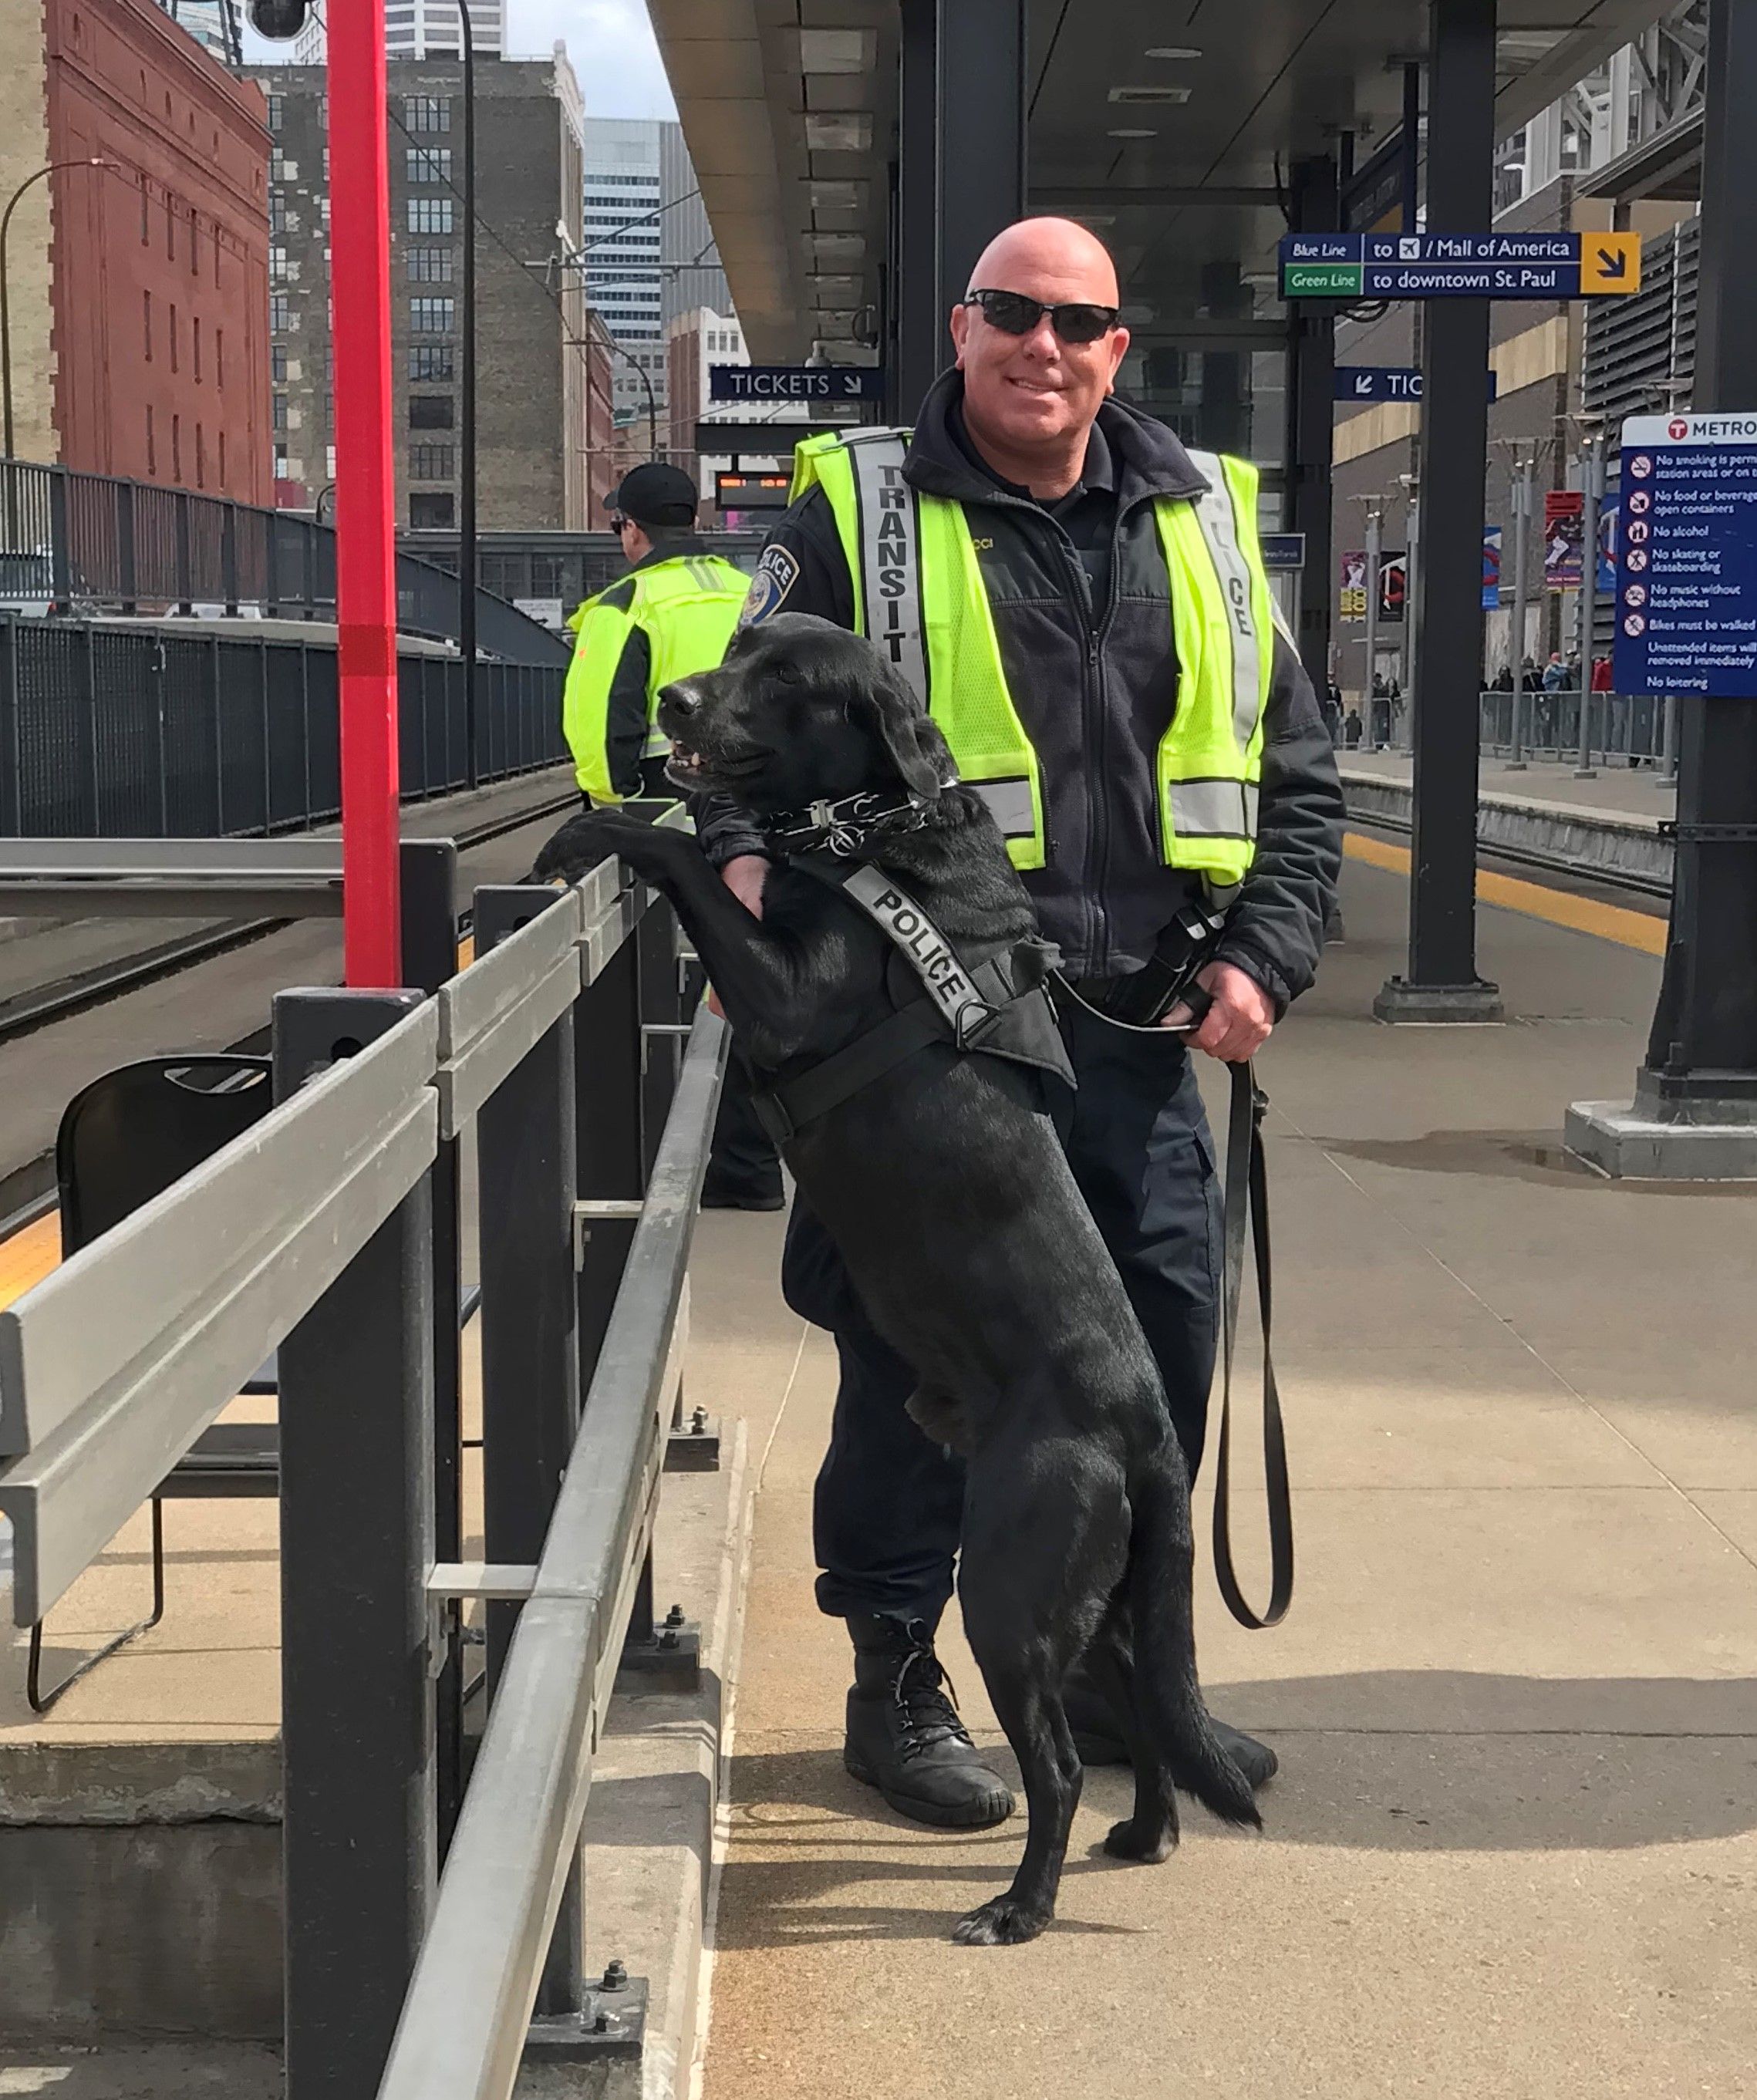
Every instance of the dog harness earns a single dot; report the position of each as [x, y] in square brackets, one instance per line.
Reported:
[999, 1006]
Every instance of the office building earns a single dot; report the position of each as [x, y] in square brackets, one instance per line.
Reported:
[533, 373]
[420, 29]
[621, 258]
[139, 291]
[214, 23]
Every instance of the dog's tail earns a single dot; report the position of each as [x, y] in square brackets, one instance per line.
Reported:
[1161, 1562]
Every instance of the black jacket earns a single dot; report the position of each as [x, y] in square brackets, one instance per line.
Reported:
[1083, 614]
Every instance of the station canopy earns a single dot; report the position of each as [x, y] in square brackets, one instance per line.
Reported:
[1169, 129]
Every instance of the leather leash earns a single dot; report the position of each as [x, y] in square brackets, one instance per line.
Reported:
[1247, 1202]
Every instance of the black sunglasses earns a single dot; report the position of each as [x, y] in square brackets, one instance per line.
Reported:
[1074, 321]
[618, 521]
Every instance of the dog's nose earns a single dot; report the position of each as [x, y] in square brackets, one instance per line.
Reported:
[680, 699]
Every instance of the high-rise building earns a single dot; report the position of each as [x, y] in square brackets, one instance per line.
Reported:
[138, 290]
[650, 254]
[532, 373]
[420, 29]
[214, 23]
[621, 256]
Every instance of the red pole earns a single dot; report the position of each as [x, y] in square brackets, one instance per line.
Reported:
[359, 238]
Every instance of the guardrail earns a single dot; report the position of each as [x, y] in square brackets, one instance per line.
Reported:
[329, 1232]
[113, 732]
[1621, 728]
[71, 540]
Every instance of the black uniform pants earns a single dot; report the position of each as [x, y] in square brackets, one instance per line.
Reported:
[890, 1504]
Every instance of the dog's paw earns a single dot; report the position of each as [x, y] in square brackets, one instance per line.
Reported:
[1004, 1922]
[583, 842]
[1128, 1841]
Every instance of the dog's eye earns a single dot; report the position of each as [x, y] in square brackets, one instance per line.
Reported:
[785, 674]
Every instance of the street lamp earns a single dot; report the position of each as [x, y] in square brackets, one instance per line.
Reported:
[6, 316]
[466, 494]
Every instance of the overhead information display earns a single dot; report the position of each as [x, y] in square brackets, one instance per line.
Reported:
[1459, 265]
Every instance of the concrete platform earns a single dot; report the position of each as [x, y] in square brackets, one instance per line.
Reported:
[1607, 825]
[1511, 1848]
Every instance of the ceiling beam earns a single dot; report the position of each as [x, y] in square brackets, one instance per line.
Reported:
[1068, 196]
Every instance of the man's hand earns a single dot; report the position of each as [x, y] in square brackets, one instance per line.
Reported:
[1237, 1025]
[744, 875]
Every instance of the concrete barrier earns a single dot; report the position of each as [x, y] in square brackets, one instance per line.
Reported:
[1618, 845]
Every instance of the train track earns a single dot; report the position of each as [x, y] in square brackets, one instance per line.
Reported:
[62, 997]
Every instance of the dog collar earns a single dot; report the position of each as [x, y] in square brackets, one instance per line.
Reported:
[843, 826]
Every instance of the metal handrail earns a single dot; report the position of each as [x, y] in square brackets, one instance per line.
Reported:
[465, 2020]
[70, 538]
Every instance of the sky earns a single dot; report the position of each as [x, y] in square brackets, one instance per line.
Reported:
[610, 41]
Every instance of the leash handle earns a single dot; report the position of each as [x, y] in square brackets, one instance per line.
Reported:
[1246, 1202]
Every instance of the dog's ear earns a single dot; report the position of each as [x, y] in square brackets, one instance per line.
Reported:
[912, 741]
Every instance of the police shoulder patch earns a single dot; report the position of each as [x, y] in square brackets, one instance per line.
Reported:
[777, 572]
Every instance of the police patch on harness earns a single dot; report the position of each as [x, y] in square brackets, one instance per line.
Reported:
[776, 573]
[932, 957]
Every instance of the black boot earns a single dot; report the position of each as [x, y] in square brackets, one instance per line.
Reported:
[1098, 1735]
[904, 1736]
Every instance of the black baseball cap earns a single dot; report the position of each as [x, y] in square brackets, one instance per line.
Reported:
[657, 494]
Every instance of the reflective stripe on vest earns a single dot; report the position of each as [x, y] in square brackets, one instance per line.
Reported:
[925, 585]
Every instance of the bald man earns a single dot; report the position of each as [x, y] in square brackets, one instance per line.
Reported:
[1040, 559]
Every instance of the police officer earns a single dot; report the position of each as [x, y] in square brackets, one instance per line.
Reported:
[673, 613]
[1083, 604]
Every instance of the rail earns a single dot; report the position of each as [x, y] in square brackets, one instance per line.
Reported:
[116, 732]
[330, 1232]
[74, 540]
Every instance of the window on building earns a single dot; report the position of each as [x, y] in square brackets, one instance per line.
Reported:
[279, 411]
[280, 314]
[326, 166]
[429, 266]
[278, 271]
[277, 165]
[427, 113]
[146, 317]
[200, 458]
[430, 360]
[330, 365]
[174, 337]
[223, 459]
[195, 346]
[432, 412]
[323, 111]
[432, 510]
[277, 212]
[170, 226]
[431, 316]
[152, 456]
[283, 464]
[329, 462]
[428, 164]
[277, 111]
[177, 449]
[430, 214]
[430, 462]
[277, 362]
[219, 368]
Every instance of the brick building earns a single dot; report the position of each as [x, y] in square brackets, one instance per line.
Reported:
[534, 376]
[138, 290]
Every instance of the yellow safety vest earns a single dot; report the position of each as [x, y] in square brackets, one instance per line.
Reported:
[918, 590]
[687, 607]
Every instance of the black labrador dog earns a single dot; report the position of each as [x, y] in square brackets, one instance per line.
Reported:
[945, 1187]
